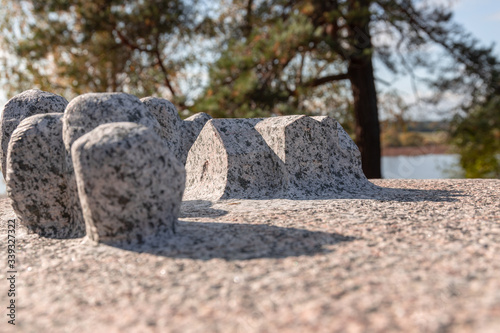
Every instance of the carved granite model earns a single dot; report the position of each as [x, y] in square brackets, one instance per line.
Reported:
[122, 160]
[295, 157]
[304, 151]
[191, 128]
[230, 159]
[86, 112]
[345, 157]
[171, 124]
[24, 105]
[36, 180]
[129, 183]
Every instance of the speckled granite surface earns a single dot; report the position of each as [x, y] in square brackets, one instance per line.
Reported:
[130, 185]
[36, 180]
[24, 105]
[419, 256]
[86, 112]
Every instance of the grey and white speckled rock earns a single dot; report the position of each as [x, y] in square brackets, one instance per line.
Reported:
[288, 157]
[345, 157]
[191, 128]
[230, 159]
[171, 124]
[86, 112]
[22, 106]
[36, 180]
[303, 148]
[130, 185]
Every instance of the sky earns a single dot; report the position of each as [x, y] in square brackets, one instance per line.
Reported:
[480, 17]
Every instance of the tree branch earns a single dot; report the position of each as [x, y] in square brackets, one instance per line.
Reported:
[326, 79]
[162, 67]
[128, 43]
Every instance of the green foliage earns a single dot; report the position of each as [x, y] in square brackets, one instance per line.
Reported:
[74, 46]
[477, 139]
[412, 139]
[390, 137]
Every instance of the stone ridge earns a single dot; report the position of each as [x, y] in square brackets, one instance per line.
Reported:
[295, 157]
[230, 159]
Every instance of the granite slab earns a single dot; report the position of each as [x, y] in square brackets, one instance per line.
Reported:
[413, 256]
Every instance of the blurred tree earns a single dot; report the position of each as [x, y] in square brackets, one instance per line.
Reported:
[273, 56]
[286, 56]
[75, 46]
[477, 138]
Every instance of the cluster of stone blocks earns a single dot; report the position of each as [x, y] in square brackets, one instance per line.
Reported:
[114, 168]
[296, 157]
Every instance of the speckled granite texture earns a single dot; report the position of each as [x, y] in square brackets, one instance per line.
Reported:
[178, 135]
[418, 256]
[171, 124]
[36, 181]
[191, 128]
[86, 112]
[345, 157]
[24, 105]
[130, 185]
[313, 160]
[295, 157]
[230, 159]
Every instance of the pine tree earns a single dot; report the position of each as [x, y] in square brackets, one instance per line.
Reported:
[282, 56]
[74, 46]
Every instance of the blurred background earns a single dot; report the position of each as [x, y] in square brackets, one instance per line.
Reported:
[415, 82]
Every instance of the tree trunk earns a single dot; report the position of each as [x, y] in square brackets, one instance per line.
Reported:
[360, 73]
[366, 113]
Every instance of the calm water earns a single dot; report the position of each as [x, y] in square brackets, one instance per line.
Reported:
[419, 167]
[398, 167]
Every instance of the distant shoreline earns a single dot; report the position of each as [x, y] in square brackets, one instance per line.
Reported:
[416, 151]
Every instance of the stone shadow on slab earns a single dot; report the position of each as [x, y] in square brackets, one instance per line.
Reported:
[372, 192]
[414, 195]
[238, 241]
[199, 208]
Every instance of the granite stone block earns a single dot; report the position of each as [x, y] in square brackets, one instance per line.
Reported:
[296, 157]
[24, 105]
[230, 159]
[345, 157]
[36, 180]
[191, 128]
[171, 124]
[130, 185]
[303, 149]
[86, 112]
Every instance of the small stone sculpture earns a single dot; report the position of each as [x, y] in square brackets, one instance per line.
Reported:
[192, 127]
[296, 157]
[303, 147]
[170, 122]
[230, 159]
[178, 135]
[36, 180]
[122, 160]
[86, 112]
[130, 185]
[344, 155]
[22, 106]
